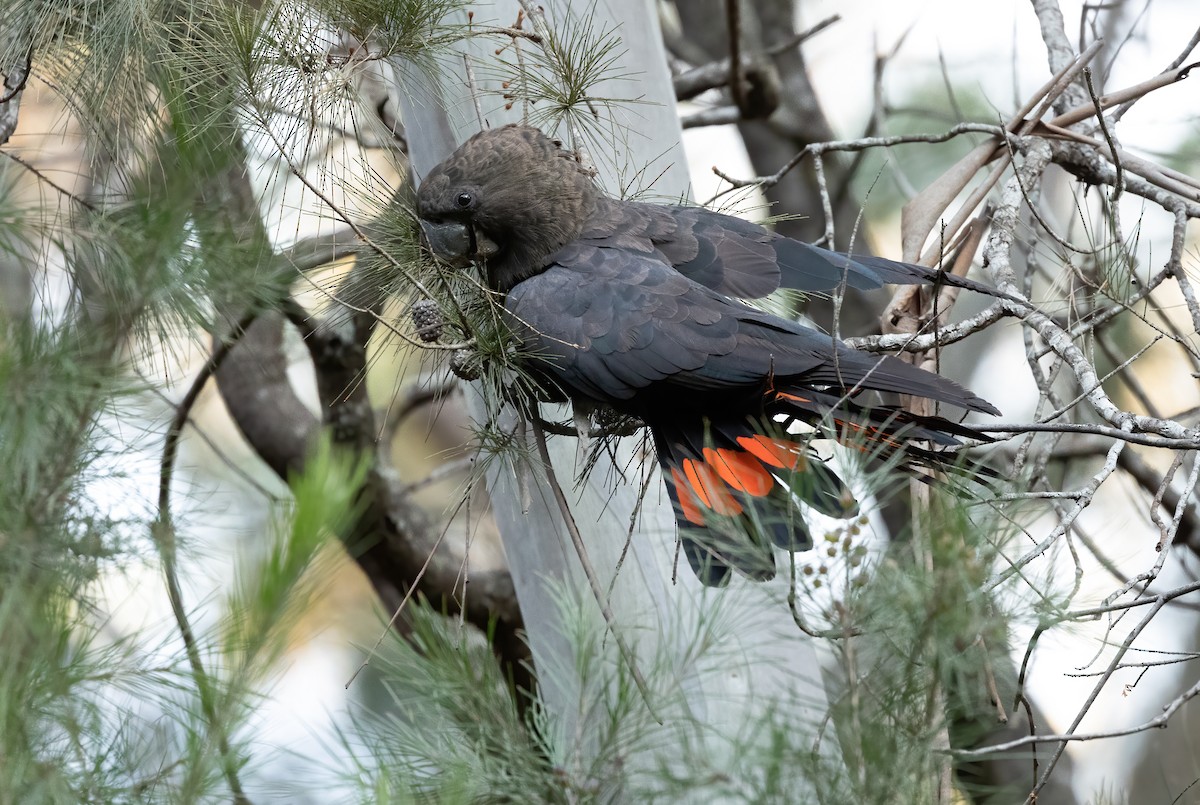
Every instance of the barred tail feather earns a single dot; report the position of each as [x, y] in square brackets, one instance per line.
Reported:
[735, 488]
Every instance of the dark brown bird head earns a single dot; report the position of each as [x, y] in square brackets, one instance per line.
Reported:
[509, 197]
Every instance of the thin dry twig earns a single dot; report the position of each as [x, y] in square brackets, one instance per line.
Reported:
[163, 531]
[589, 571]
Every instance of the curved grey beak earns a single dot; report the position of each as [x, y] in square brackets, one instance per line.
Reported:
[449, 241]
[456, 243]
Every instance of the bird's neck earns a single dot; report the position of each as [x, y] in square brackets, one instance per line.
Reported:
[530, 247]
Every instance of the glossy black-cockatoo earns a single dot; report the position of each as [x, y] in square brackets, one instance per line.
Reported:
[630, 305]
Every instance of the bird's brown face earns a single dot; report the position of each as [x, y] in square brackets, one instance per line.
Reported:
[451, 230]
[508, 197]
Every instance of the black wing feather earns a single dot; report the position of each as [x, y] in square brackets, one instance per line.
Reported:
[621, 327]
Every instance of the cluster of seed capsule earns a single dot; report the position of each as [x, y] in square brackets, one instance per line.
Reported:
[430, 327]
[841, 551]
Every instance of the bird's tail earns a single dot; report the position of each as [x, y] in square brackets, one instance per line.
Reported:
[735, 485]
[739, 487]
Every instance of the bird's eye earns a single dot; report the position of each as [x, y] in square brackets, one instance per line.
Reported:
[464, 200]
